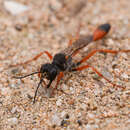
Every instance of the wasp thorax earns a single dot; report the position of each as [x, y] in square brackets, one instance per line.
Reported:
[60, 61]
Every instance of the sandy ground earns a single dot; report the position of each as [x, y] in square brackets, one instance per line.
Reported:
[92, 103]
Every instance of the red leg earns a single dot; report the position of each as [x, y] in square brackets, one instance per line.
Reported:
[60, 76]
[100, 50]
[76, 38]
[72, 39]
[96, 71]
[34, 58]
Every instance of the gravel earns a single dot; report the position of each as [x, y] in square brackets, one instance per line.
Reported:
[90, 103]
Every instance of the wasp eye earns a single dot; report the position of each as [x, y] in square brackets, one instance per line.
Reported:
[45, 75]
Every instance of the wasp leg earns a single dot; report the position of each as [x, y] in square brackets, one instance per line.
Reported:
[59, 77]
[100, 50]
[72, 39]
[34, 58]
[97, 72]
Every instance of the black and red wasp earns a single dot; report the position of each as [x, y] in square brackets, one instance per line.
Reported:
[62, 61]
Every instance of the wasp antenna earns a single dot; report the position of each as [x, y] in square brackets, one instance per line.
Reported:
[21, 77]
[101, 31]
[37, 89]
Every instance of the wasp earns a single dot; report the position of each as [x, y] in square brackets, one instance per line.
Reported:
[62, 61]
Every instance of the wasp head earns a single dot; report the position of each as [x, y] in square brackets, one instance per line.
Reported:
[49, 71]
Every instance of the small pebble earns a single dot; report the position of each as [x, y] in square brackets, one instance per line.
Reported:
[15, 8]
[89, 127]
[63, 113]
[5, 91]
[65, 123]
[125, 76]
[67, 116]
[59, 102]
[91, 116]
[18, 27]
[34, 129]
[13, 110]
[79, 122]
[56, 119]
[13, 121]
